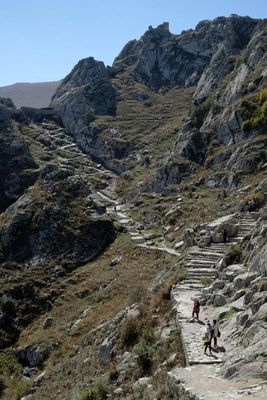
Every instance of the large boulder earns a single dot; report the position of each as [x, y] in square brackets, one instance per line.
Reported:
[219, 300]
[243, 280]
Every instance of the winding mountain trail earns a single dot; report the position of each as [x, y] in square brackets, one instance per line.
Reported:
[200, 380]
[146, 240]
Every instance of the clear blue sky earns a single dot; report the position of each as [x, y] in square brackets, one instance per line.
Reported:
[41, 40]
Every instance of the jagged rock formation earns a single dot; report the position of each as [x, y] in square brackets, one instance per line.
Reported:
[160, 58]
[87, 91]
[18, 169]
[181, 120]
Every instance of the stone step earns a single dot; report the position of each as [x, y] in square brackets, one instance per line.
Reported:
[200, 261]
[199, 266]
[210, 260]
[198, 274]
[138, 239]
[192, 286]
[198, 361]
[132, 230]
[214, 251]
[221, 246]
[206, 253]
[124, 221]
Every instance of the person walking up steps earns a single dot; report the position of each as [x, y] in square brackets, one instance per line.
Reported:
[225, 235]
[216, 332]
[196, 308]
[207, 341]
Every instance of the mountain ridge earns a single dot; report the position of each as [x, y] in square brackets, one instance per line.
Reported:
[110, 213]
[30, 94]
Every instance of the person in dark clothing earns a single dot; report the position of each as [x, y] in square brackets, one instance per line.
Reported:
[216, 332]
[225, 234]
[196, 308]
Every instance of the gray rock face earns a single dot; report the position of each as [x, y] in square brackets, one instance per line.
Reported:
[87, 91]
[243, 280]
[105, 351]
[170, 173]
[37, 229]
[229, 36]
[34, 356]
[18, 169]
[190, 144]
[160, 58]
[258, 263]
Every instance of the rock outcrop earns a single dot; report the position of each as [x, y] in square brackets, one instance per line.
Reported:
[86, 92]
[43, 224]
[18, 169]
[199, 56]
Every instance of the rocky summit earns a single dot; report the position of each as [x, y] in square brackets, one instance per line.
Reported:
[139, 190]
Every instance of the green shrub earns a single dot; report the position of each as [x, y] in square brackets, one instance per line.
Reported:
[200, 111]
[144, 352]
[146, 160]
[254, 111]
[258, 199]
[88, 394]
[238, 61]
[148, 336]
[233, 255]
[263, 95]
[172, 219]
[228, 314]
[206, 281]
[101, 389]
[97, 392]
[23, 389]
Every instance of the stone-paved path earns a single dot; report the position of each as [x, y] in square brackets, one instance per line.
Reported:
[200, 273]
[200, 380]
[145, 240]
[207, 384]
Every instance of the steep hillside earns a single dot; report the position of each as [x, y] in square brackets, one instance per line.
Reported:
[106, 218]
[36, 94]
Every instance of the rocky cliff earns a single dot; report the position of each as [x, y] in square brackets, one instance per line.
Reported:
[18, 169]
[101, 197]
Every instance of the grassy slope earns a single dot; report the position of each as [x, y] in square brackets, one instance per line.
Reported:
[106, 290]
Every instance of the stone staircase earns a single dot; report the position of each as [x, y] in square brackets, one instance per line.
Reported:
[142, 239]
[201, 261]
[200, 265]
[201, 272]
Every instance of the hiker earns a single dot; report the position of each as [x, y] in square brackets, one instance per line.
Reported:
[196, 308]
[216, 332]
[225, 234]
[251, 204]
[207, 341]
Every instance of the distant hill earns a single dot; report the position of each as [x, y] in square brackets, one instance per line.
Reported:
[30, 94]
